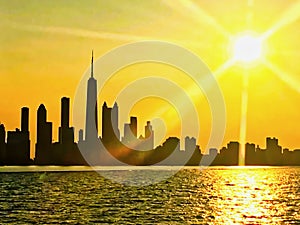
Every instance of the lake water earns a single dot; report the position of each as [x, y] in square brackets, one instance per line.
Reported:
[213, 196]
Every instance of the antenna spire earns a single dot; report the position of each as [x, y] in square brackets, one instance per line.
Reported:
[92, 65]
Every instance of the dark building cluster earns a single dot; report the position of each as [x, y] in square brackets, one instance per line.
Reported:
[112, 149]
[273, 154]
[17, 148]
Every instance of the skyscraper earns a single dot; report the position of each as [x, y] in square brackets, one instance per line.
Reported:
[115, 120]
[133, 125]
[65, 112]
[149, 137]
[2, 145]
[64, 151]
[110, 123]
[66, 133]
[190, 144]
[44, 137]
[91, 123]
[18, 143]
[24, 119]
[80, 135]
[130, 133]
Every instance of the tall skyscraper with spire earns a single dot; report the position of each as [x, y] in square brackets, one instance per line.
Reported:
[91, 123]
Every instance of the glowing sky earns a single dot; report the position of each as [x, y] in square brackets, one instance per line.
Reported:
[45, 48]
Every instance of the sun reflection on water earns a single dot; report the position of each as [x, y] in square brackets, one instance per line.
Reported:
[248, 196]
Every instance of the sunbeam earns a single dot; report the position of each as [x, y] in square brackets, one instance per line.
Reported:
[283, 76]
[188, 8]
[243, 123]
[221, 69]
[289, 16]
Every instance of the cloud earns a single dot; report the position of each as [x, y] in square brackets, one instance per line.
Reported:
[78, 32]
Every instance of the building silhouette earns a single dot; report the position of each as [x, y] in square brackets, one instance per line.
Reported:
[66, 133]
[110, 124]
[18, 143]
[130, 133]
[133, 125]
[189, 143]
[149, 137]
[131, 139]
[162, 153]
[65, 151]
[192, 150]
[273, 151]
[228, 156]
[250, 154]
[43, 147]
[2, 145]
[134, 149]
[80, 136]
[272, 155]
[91, 123]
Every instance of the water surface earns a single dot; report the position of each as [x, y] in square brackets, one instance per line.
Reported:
[192, 196]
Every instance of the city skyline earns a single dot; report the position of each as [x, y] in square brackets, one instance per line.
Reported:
[66, 152]
[130, 148]
[45, 49]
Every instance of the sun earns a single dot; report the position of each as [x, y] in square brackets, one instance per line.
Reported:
[247, 48]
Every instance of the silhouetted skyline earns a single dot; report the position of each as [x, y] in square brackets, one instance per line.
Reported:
[131, 148]
[16, 150]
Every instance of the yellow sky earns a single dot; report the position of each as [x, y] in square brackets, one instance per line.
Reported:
[45, 49]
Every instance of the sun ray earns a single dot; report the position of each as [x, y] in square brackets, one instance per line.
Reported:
[188, 8]
[289, 16]
[283, 76]
[243, 123]
[221, 69]
[208, 81]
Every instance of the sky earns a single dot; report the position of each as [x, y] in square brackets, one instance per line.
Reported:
[45, 50]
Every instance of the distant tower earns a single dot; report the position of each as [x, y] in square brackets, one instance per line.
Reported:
[147, 142]
[273, 151]
[2, 145]
[190, 144]
[130, 133]
[24, 119]
[115, 120]
[66, 133]
[65, 112]
[133, 125]
[91, 123]
[18, 143]
[80, 135]
[44, 137]
[110, 120]
[149, 136]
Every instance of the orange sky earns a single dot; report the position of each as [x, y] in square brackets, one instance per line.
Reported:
[46, 47]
